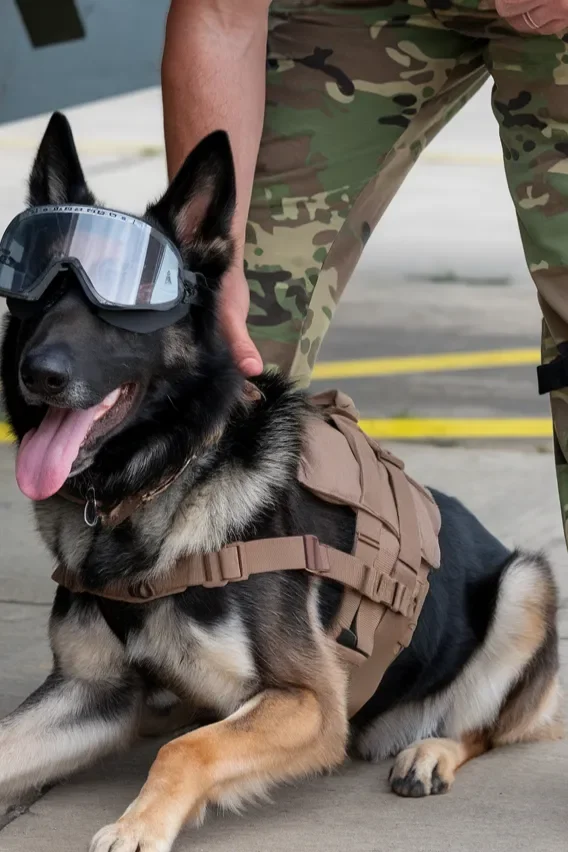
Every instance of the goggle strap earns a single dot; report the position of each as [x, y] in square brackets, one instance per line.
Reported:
[192, 281]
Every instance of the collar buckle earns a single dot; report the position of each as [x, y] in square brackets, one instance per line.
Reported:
[91, 511]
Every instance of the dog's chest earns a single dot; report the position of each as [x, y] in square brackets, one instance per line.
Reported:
[211, 665]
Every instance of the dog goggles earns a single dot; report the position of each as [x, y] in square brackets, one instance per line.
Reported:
[131, 273]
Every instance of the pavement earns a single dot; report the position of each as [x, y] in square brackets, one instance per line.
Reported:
[424, 286]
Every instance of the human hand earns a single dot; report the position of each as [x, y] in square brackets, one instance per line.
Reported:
[233, 310]
[546, 17]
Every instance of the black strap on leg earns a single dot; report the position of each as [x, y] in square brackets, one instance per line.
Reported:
[553, 376]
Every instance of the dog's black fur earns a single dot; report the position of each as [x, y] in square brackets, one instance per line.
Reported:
[189, 401]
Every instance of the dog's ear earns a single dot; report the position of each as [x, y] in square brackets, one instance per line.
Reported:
[57, 176]
[197, 208]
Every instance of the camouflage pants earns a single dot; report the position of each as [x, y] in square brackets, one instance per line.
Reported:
[355, 91]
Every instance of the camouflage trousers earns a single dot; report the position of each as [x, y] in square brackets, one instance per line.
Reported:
[355, 91]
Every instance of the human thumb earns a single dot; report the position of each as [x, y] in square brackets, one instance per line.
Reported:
[245, 353]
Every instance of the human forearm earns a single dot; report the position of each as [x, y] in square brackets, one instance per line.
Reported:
[213, 76]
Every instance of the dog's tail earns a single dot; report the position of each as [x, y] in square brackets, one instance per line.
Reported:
[524, 635]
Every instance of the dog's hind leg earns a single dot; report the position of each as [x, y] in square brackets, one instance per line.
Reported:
[429, 766]
[507, 693]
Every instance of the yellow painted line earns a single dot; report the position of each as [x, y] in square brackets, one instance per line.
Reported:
[86, 146]
[411, 428]
[447, 158]
[362, 367]
[5, 434]
[148, 148]
[97, 146]
[416, 428]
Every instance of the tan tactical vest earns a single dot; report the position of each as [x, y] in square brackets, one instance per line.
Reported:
[386, 575]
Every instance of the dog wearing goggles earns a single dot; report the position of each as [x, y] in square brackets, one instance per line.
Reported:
[105, 410]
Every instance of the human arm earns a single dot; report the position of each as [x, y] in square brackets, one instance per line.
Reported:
[213, 76]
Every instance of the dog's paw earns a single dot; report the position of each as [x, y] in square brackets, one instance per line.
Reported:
[129, 835]
[424, 769]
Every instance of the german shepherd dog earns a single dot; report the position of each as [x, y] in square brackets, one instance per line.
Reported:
[481, 670]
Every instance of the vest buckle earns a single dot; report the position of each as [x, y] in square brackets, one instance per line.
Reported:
[223, 566]
[315, 555]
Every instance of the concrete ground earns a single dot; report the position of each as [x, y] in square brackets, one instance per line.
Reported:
[436, 277]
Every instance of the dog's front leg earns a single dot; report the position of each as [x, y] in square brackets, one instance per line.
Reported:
[277, 735]
[88, 706]
[63, 726]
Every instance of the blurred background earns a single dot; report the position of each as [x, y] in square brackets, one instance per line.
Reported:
[443, 279]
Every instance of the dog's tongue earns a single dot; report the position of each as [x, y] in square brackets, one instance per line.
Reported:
[46, 454]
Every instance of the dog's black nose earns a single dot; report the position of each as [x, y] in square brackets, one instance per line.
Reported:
[46, 370]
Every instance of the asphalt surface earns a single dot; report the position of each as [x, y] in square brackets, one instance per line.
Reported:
[416, 318]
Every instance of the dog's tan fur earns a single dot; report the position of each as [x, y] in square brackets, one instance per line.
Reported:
[277, 735]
